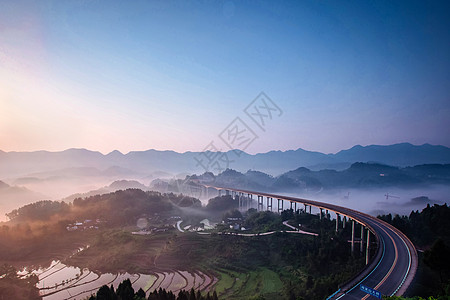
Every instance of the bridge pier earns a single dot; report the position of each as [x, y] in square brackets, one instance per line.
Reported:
[326, 212]
[353, 236]
[368, 247]
[305, 207]
[337, 222]
[238, 196]
[361, 247]
[260, 203]
[344, 220]
[280, 209]
[291, 204]
[269, 203]
[320, 215]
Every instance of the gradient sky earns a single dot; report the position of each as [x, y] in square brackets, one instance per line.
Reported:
[171, 75]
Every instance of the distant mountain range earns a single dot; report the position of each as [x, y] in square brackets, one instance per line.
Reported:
[138, 164]
[358, 175]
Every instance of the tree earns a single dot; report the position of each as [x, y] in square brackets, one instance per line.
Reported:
[438, 259]
[125, 290]
[8, 271]
[192, 295]
[140, 294]
[104, 293]
[222, 203]
[214, 296]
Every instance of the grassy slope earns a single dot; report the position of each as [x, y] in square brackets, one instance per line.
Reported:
[234, 285]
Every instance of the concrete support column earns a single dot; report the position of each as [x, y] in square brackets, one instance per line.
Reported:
[280, 209]
[320, 215]
[305, 207]
[260, 203]
[361, 247]
[326, 213]
[337, 222]
[291, 203]
[353, 236]
[344, 220]
[240, 199]
[269, 203]
[295, 203]
[310, 209]
[368, 247]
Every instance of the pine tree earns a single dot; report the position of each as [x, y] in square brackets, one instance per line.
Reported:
[140, 294]
[192, 295]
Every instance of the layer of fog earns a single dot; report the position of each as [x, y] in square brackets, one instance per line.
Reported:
[383, 200]
[65, 184]
[371, 201]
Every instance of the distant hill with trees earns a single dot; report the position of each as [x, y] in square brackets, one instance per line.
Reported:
[358, 175]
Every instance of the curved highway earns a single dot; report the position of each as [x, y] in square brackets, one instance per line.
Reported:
[390, 271]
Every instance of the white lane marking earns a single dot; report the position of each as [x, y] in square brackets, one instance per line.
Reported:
[393, 264]
[379, 262]
[409, 266]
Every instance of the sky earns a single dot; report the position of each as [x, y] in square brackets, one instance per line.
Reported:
[185, 75]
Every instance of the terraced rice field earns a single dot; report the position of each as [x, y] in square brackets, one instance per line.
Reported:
[234, 285]
[59, 281]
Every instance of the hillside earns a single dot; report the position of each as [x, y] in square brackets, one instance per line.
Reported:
[12, 197]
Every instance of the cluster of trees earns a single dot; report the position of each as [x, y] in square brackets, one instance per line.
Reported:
[14, 287]
[262, 221]
[162, 294]
[424, 227]
[125, 291]
[41, 210]
[429, 229]
[222, 203]
[122, 207]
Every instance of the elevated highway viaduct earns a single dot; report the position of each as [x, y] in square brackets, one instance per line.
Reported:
[390, 271]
